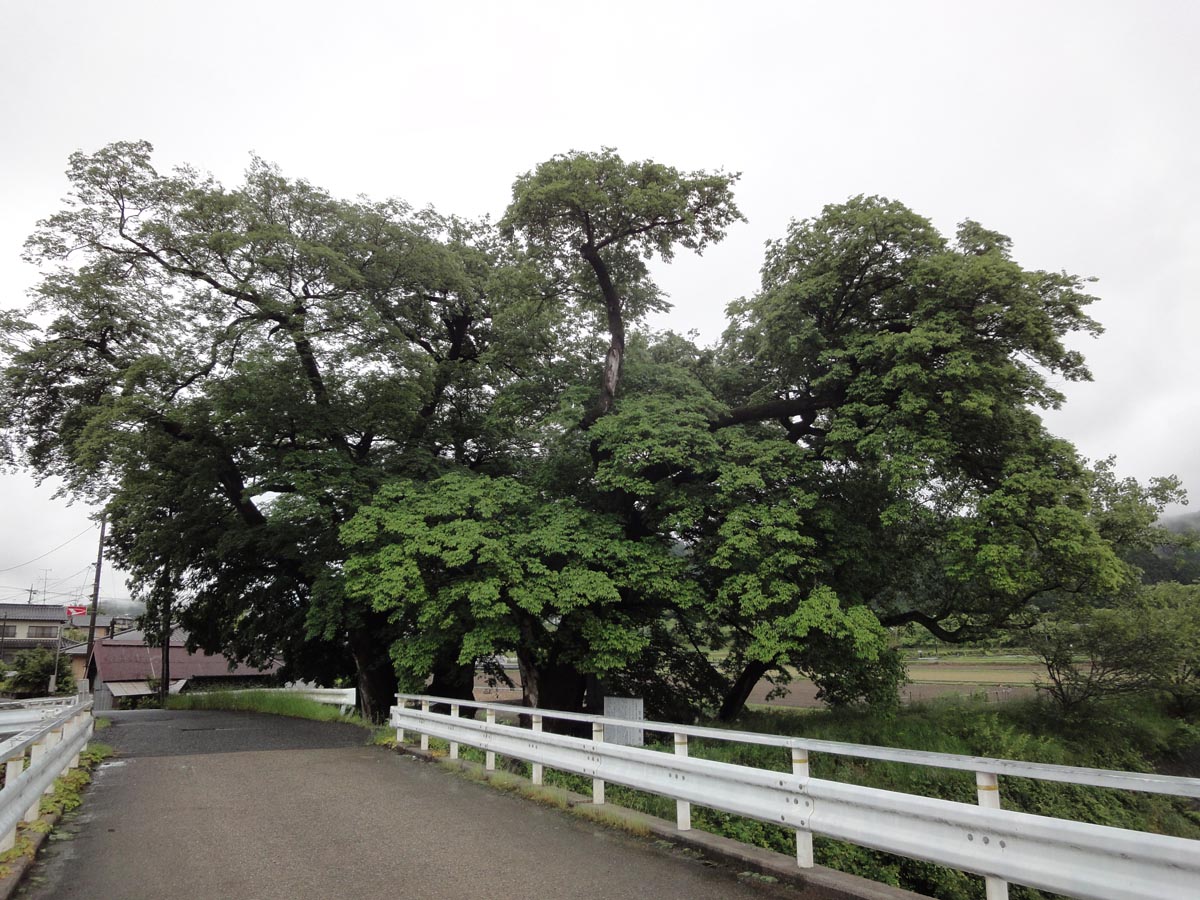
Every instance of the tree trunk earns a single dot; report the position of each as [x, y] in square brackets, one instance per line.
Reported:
[739, 692]
[553, 686]
[377, 682]
[614, 360]
[454, 680]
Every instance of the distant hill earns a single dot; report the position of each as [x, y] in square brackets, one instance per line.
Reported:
[1181, 522]
[122, 607]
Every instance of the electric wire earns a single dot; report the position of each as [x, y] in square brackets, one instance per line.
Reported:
[48, 552]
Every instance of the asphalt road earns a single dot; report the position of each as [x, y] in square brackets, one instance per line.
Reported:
[236, 805]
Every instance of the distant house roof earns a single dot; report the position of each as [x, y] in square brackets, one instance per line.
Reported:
[129, 660]
[79, 648]
[84, 621]
[138, 636]
[32, 612]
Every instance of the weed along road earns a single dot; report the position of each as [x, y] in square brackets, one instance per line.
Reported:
[219, 805]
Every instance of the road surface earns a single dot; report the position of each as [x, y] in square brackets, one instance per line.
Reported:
[220, 805]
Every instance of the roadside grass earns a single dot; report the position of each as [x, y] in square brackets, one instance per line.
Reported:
[269, 702]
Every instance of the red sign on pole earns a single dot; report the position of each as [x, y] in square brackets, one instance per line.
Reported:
[76, 611]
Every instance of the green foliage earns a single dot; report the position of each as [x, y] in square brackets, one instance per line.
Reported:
[33, 669]
[1145, 643]
[489, 565]
[366, 439]
[633, 211]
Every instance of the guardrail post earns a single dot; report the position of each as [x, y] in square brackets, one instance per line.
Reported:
[403, 704]
[537, 767]
[490, 761]
[12, 769]
[55, 737]
[454, 744]
[598, 783]
[36, 752]
[77, 722]
[425, 704]
[804, 838]
[683, 808]
[987, 789]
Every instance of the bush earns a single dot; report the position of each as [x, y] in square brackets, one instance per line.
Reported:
[1143, 645]
[33, 669]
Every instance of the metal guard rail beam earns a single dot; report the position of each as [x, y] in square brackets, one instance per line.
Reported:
[1147, 782]
[53, 748]
[1095, 862]
[21, 742]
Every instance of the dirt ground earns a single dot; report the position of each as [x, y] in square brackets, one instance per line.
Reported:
[929, 679]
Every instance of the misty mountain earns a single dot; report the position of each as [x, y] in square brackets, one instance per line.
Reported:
[1181, 522]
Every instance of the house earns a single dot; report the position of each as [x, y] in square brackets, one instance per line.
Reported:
[76, 635]
[24, 626]
[125, 666]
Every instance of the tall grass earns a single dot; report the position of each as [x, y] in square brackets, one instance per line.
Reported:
[270, 702]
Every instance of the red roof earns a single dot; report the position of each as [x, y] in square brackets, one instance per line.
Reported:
[127, 661]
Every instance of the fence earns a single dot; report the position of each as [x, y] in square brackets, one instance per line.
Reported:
[36, 757]
[1077, 859]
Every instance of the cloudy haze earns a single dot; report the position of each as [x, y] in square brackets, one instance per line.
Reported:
[1071, 127]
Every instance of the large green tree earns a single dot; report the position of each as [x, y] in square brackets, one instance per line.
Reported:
[235, 371]
[361, 437]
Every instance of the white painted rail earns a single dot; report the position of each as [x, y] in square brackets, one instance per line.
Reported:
[18, 715]
[34, 758]
[1072, 858]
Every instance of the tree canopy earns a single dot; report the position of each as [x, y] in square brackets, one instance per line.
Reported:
[365, 438]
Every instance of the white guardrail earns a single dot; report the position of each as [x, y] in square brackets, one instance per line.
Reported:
[1092, 862]
[37, 756]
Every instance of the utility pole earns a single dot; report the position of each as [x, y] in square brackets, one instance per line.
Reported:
[95, 606]
[164, 688]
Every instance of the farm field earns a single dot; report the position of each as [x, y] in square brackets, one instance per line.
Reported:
[1006, 670]
[995, 678]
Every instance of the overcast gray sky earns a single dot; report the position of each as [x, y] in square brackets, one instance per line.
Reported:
[1071, 127]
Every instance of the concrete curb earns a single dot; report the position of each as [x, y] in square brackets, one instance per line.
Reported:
[817, 883]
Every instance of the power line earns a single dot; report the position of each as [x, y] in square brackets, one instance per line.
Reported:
[56, 582]
[48, 552]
